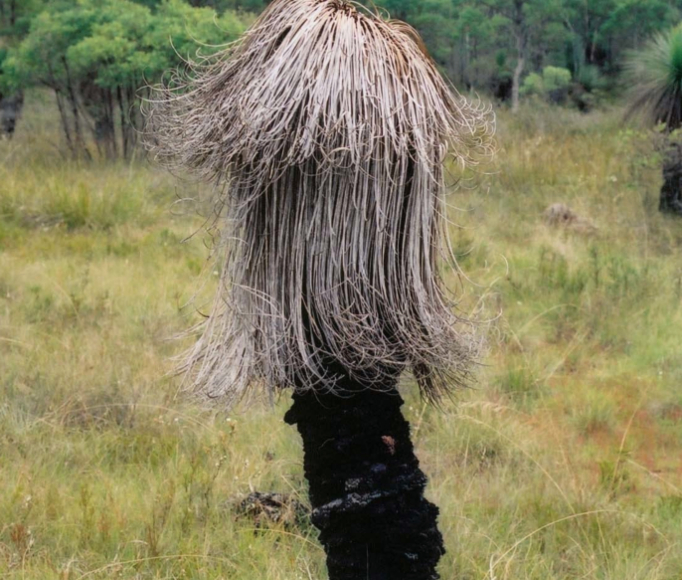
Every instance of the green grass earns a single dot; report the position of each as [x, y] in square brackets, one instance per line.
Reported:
[564, 461]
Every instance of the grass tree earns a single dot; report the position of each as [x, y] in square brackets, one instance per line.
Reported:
[655, 77]
[325, 131]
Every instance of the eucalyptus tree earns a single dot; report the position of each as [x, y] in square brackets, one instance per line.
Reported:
[325, 132]
[14, 20]
[655, 78]
[96, 54]
[43, 58]
[526, 22]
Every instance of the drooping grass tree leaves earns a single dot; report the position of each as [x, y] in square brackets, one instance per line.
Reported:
[96, 55]
[654, 75]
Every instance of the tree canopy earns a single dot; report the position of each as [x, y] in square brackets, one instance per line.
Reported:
[96, 54]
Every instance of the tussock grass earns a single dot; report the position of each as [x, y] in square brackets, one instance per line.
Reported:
[564, 461]
[47, 197]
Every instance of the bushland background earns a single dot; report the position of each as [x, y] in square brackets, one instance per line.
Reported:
[563, 461]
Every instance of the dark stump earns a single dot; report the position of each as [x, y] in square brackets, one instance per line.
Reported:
[671, 191]
[366, 488]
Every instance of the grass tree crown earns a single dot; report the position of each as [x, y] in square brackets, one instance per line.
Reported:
[325, 131]
[655, 77]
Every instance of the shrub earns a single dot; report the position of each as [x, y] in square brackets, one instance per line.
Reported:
[533, 85]
[552, 85]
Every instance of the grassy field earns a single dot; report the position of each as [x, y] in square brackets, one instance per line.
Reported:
[564, 461]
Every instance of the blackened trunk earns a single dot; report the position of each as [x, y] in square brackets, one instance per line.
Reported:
[366, 487]
[671, 192]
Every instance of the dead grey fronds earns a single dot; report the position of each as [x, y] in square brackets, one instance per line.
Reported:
[325, 131]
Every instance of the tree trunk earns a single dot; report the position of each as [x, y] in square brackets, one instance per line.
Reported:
[132, 110]
[52, 83]
[10, 111]
[79, 139]
[366, 488]
[65, 122]
[593, 48]
[516, 83]
[521, 34]
[112, 147]
[521, 46]
[124, 122]
[671, 191]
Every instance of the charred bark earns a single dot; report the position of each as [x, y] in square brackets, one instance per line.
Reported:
[671, 191]
[366, 487]
[671, 194]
